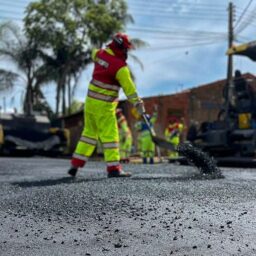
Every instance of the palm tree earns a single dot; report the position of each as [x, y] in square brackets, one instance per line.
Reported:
[15, 48]
[7, 78]
[70, 35]
[63, 67]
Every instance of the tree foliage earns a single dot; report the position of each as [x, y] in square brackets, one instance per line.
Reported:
[67, 30]
[7, 79]
[24, 54]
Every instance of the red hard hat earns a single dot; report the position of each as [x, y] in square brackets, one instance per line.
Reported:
[122, 41]
[173, 119]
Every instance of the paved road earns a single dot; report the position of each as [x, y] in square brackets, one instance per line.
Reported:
[162, 210]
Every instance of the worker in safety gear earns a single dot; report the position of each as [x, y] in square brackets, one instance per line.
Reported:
[100, 123]
[172, 134]
[146, 143]
[125, 137]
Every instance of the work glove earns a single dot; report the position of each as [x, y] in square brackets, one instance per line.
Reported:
[140, 107]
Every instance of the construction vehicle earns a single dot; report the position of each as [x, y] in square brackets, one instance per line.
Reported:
[31, 135]
[233, 135]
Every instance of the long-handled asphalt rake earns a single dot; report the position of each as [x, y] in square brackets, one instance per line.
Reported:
[195, 156]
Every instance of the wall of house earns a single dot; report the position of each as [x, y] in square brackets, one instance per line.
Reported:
[205, 102]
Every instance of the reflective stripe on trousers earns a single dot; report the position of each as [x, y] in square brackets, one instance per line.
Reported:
[101, 96]
[102, 127]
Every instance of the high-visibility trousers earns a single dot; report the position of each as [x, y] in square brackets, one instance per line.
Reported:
[125, 147]
[175, 142]
[103, 127]
[147, 145]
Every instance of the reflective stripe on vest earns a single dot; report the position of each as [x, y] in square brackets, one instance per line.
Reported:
[105, 86]
[132, 96]
[88, 140]
[100, 96]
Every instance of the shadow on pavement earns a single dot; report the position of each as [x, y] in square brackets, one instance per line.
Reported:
[70, 180]
[177, 178]
[52, 182]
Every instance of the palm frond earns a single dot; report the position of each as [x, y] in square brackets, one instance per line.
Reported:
[10, 31]
[7, 79]
[129, 19]
[138, 43]
[137, 60]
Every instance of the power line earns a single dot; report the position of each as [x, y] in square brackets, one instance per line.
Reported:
[177, 35]
[175, 6]
[12, 4]
[186, 40]
[206, 9]
[187, 15]
[251, 13]
[164, 28]
[243, 13]
[20, 1]
[138, 3]
[173, 16]
[242, 39]
[182, 3]
[10, 18]
[12, 12]
[176, 31]
[246, 22]
[251, 17]
[169, 12]
[169, 47]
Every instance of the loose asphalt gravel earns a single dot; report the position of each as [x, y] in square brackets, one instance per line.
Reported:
[164, 209]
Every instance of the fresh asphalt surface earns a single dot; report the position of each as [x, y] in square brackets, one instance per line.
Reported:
[164, 209]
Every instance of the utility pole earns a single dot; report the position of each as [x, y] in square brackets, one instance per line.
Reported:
[229, 83]
[230, 41]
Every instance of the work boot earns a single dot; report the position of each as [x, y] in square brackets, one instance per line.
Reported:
[72, 171]
[151, 160]
[127, 160]
[116, 171]
[118, 174]
[144, 160]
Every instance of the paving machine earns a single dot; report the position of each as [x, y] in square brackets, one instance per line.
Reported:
[30, 135]
[233, 134]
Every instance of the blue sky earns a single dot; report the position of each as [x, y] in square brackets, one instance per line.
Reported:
[187, 41]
